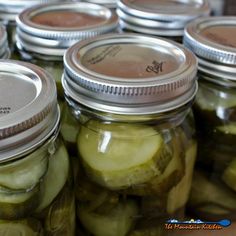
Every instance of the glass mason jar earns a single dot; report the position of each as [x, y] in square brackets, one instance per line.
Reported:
[4, 49]
[107, 3]
[131, 96]
[36, 192]
[10, 9]
[44, 32]
[213, 194]
[160, 18]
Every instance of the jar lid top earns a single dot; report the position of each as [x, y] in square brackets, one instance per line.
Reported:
[213, 40]
[129, 74]
[106, 3]
[4, 49]
[9, 9]
[50, 29]
[166, 10]
[28, 108]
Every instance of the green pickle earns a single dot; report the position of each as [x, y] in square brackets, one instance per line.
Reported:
[131, 177]
[215, 110]
[35, 192]
[213, 195]
[135, 137]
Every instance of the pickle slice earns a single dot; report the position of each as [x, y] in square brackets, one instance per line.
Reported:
[229, 175]
[172, 174]
[118, 222]
[60, 217]
[25, 173]
[179, 194]
[29, 227]
[55, 177]
[15, 205]
[210, 98]
[69, 127]
[205, 192]
[118, 156]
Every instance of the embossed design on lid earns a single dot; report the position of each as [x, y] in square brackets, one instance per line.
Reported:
[28, 107]
[129, 74]
[160, 15]
[50, 29]
[213, 40]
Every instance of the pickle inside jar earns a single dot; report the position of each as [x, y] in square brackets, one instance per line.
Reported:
[55, 178]
[118, 156]
[20, 190]
[118, 222]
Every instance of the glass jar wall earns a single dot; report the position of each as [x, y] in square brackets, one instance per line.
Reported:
[212, 39]
[36, 194]
[131, 96]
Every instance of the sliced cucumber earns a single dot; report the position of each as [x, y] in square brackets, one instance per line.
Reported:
[229, 175]
[30, 227]
[213, 210]
[210, 98]
[173, 173]
[179, 194]
[118, 222]
[118, 156]
[69, 126]
[60, 217]
[55, 177]
[228, 129]
[18, 205]
[205, 192]
[25, 173]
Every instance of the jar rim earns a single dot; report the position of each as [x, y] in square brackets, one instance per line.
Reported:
[130, 73]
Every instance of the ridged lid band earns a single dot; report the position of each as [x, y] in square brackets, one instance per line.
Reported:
[52, 38]
[129, 73]
[212, 39]
[28, 109]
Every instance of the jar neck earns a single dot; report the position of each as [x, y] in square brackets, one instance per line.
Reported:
[168, 119]
[218, 81]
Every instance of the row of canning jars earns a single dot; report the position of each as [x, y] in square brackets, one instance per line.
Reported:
[129, 95]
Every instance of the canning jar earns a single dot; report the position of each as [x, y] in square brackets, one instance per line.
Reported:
[213, 194]
[131, 96]
[4, 49]
[160, 18]
[44, 32]
[10, 9]
[36, 192]
[107, 3]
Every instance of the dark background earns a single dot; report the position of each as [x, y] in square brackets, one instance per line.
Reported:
[230, 7]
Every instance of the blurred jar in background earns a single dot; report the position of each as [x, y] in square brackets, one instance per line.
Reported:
[36, 192]
[160, 18]
[217, 7]
[132, 97]
[44, 32]
[10, 9]
[4, 49]
[213, 195]
[107, 3]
